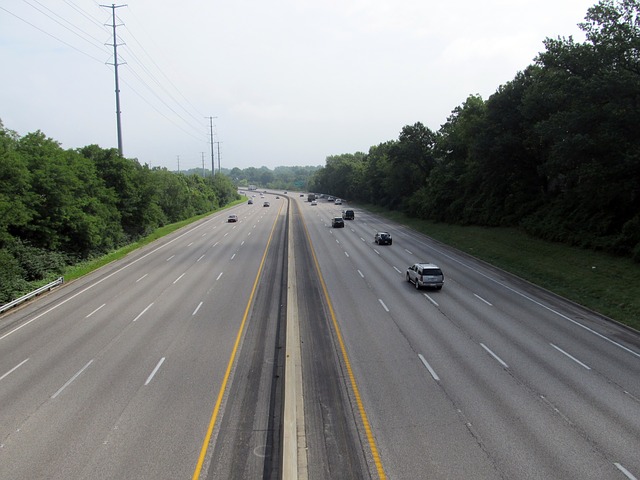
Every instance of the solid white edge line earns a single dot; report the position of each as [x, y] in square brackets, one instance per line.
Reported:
[196, 310]
[570, 356]
[431, 370]
[70, 381]
[98, 282]
[143, 311]
[540, 304]
[13, 369]
[155, 370]
[494, 355]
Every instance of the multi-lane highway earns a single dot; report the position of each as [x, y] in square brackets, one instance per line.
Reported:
[169, 363]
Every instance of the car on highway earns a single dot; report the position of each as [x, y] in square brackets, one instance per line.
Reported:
[425, 275]
[337, 222]
[348, 214]
[232, 218]
[314, 203]
[337, 201]
[265, 204]
[383, 238]
[250, 202]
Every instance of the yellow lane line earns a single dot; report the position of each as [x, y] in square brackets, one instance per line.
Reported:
[345, 357]
[227, 374]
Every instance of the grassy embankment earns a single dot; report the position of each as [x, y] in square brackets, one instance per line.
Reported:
[604, 283]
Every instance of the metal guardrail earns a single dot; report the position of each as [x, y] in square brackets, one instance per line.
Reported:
[30, 295]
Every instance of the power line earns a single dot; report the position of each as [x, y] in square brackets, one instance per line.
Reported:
[138, 69]
[200, 139]
[196, 118]
[98, 43]
[51, 35]
[141, 25]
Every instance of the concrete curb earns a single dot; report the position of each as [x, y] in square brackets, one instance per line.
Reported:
[294, 448]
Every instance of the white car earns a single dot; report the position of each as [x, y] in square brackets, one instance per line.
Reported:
[232, 218]
[425, 275]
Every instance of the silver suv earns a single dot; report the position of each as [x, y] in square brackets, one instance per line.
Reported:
[425, 275]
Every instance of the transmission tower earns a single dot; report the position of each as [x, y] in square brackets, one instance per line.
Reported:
[115, 64]
[213, 162]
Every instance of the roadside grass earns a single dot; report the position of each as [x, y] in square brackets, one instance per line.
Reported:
[76, 271]
[604, 283]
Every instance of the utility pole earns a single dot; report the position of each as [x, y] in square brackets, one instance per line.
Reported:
[115, 64]
[202, 153]
[218, 144]
[178, 163]
[213, 163]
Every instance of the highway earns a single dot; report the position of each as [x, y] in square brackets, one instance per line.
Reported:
[169, 363]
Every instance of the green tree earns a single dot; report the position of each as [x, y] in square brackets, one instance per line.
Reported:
[14, 186]
[73, 210]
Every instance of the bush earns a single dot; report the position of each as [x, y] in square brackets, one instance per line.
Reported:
[12, 282]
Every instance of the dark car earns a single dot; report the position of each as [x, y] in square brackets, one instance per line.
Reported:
[348, 214]
[337, 222]
[383, 238]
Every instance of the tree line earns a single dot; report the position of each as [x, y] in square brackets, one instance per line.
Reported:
[58, 207]
[555, 151]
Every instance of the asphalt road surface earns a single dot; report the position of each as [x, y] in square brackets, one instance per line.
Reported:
[169, 363]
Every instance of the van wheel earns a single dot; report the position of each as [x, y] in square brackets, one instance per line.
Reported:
[408, 279]
[417, 285]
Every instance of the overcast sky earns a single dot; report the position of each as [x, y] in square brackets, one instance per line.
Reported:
[290, 81]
